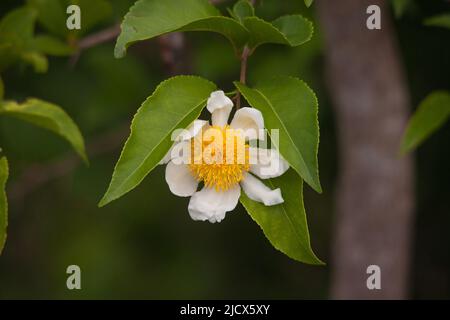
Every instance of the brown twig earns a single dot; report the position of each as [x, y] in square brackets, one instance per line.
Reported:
[243, 73]
[95, 39]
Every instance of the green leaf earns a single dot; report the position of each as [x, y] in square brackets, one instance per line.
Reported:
[18, 43]
[38, 61]
[242, 9]
[290, 106]
[16, 33]
[175, 104]
[292, 30]
[17, 26]
[4, 172]
[150, 18]
[285, 224]
[51, 46]
[432, 113]
[442, 20]
[48, 116]
[51, 15]
[308, 3]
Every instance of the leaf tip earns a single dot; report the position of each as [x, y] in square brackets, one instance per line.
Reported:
[103, 202]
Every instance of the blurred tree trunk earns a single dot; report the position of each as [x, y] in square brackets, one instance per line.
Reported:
[375, 186]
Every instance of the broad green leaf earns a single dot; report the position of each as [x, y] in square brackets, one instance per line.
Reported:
[175, 104]
[308, 3]
[51, 46]
[48, 116]
[150, 18]
[290, 106]
[432, 113]
[285, 224]
[2, 89]
[4, 172]
[292, 30]
[242, 9]
[442, 20]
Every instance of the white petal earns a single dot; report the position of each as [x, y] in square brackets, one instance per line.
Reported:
[250, 120]
[220, 117]
[258, 191]
[192, 130]
[220, 107]
[183, 135]
[267, 163]
[218, 100]
[168, 155]
[209, 204]
[180, 180]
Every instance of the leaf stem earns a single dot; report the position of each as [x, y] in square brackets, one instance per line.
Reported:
[243, 75]
[244, 58]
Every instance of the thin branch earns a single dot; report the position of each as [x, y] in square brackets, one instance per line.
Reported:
[100, 37]
[243, 74]
[95, 39]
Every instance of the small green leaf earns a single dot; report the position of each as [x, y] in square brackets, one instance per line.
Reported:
[242, 9]
[38, 61]
[175, 104]
[290, 106]
[51, 46]
[432, 113]
[18, 43]
[17, 26]
[308, 3]
[4, 172]
[150, 18]
[292, 30]
[285, 224]
[51, 15]
[48, 116]
[442, 20]
[16, 33]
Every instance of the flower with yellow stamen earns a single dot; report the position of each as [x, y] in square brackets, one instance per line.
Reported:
[221, 158]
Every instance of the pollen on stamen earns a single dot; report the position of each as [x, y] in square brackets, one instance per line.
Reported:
[219, 158]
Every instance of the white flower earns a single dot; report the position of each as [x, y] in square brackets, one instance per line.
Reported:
[220, 157]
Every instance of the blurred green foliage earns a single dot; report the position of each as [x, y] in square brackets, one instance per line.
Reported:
[145, 245]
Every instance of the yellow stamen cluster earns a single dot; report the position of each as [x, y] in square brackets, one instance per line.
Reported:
[219, 157]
